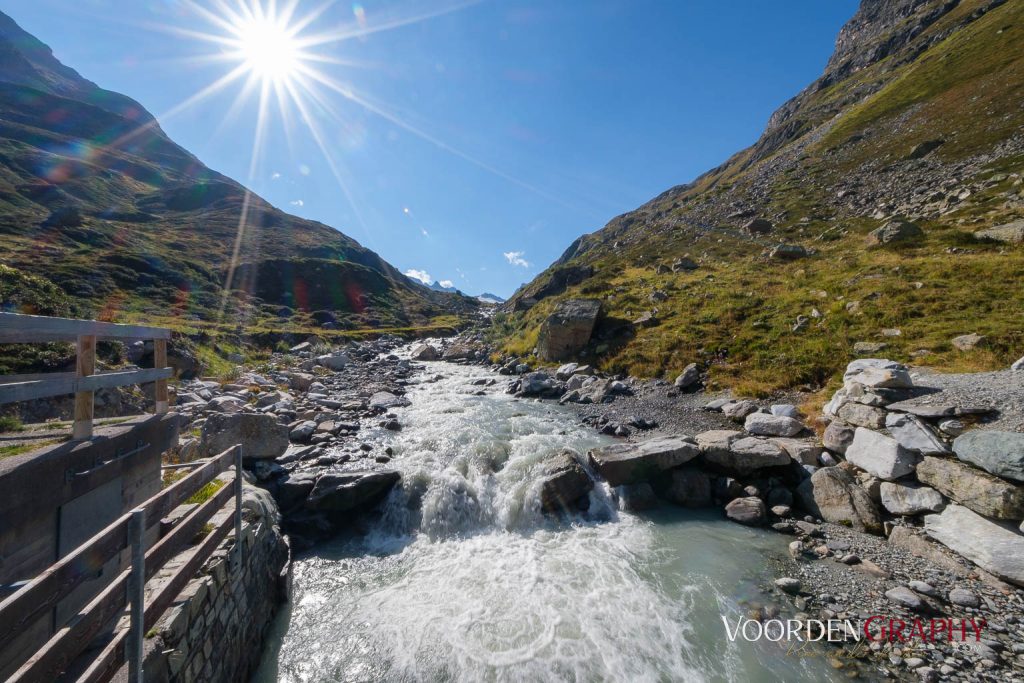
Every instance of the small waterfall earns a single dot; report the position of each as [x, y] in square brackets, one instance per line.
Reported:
[463, 578]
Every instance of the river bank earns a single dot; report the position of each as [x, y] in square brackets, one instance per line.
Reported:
[368, 421]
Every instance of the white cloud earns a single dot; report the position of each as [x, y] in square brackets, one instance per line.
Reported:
[447, 283]
[298, 202]
[275, 176]
[516, 258]
[421, 275]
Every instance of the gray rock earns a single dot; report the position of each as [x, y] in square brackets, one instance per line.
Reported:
[566, 371]
[750, 511]
[636, 497]
[878, 373]
[909, 499]
[631, 463]
[880, 455]
[567, 330]
[802, 451]
[385, 400]
[1018, 366]
[425, 352]
[969, 342]
[684, 263]
[923, 588]
[689, 487]
[952, 427]
[992, 547]
[1001, 453]
[915, 435]
[758, 226]
[838, 436]
[350, 491]
[226, 404]
[740, 455]
[785, 410]
[302, 431]
[689, 377]
[896, 230]
[764, 424]
[563, 482]
[787, 252]
[260, 435]
[833, 495]
[1012, 233]
[717, 405]
[903, 596]
[865, 347]
[861, 415]
[788, 584]
[737, 411]
[334, 361]
[964, 598]
[980, 491]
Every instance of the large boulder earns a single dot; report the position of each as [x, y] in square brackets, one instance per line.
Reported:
[385, 400]
[764, 424]
[688, 377]
[914, 435]
[333, 361]
[880, 455]
[750, 511]
[985, 494]
[740, 455]
[993, 547]
[758, 226]
[461, 350]
[1012, 233]
[861, 415]
[896, 230]
[838, 436]
[350, 491]
[1001, 453]
[878, 373]
[563, 482]
[566, 331]
[910, 499]
[425, 352]
[833, 495]
[631, 463]
[689, 487]
[802, 451]
[260, 435]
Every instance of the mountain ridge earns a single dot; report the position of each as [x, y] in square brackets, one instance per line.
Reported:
[96, 197]
[916, 117]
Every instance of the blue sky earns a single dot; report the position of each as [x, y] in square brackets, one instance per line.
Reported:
[510, 127]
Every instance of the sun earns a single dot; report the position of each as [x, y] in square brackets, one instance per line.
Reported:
[268, 48]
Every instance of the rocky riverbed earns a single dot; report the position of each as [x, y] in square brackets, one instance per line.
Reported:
[864, 505]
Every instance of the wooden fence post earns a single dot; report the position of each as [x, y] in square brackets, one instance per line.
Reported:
[136, 595]
[85, 366]
[160, 362]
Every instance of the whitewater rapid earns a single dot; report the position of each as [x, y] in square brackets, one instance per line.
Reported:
[463, 579]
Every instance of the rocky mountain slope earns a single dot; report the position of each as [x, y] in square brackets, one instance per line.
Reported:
[95, 197]
[860, 221]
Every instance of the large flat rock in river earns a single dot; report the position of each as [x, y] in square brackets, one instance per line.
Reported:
[632, 463]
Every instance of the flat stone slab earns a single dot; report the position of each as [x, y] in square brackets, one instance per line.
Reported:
[1000, 453]
[880, 455]
[632, 463]
[993, 547]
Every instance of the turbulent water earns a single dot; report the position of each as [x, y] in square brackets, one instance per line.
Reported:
[464, 580]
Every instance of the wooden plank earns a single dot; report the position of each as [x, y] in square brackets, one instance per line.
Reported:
[39, 376]
[70, 383]
[85, 366]
[74, 637]
[47, 589]
[17, 328]
[160, 390]
[107, 663]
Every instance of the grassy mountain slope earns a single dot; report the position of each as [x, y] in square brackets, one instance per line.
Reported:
[836, 162]
[96, 198]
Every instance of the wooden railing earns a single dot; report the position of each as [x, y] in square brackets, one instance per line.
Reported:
[32, 329]
[40, 595]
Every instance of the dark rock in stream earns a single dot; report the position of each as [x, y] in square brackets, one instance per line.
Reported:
[564, 482]
[350, 491]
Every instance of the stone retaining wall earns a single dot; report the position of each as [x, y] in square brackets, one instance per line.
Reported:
[216, 628]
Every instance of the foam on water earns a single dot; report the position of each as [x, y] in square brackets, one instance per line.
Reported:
[464, 580]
